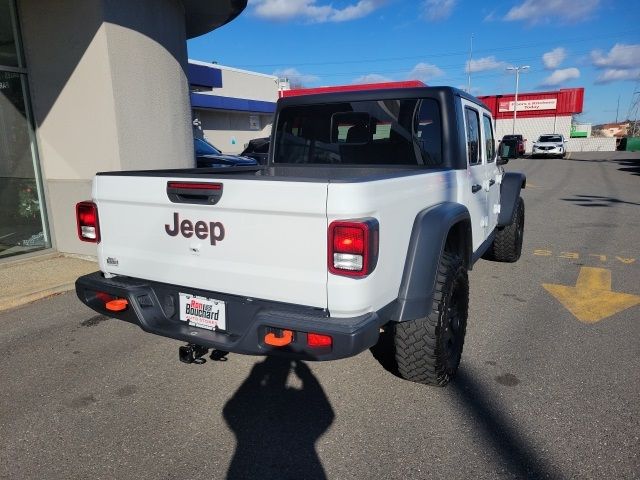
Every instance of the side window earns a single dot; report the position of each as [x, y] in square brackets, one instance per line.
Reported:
[428, 132]
[490, 142]
[473, 136]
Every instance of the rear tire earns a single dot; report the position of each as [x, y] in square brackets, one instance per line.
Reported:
[428, 350]
[507, 244]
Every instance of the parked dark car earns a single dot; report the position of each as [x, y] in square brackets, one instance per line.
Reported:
[208, 156]
[519, 141]
[257, 148]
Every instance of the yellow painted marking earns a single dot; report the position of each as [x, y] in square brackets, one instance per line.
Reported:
[571, 255]
[543, 253]
[592, 300]
[603, 258]
[626, 260]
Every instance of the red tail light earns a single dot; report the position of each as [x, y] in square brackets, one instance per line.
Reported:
[87, 220]
[353, 247]
[318, 340]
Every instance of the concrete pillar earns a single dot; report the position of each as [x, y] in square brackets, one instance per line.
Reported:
[109, 92]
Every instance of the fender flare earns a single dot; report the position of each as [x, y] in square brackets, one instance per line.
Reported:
[512, 183]
[428, 237]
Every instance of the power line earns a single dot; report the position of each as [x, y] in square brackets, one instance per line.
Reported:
[439, 55]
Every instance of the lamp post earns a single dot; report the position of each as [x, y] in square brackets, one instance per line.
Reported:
[515, 103]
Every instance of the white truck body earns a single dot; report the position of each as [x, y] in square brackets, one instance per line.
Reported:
[366, 200]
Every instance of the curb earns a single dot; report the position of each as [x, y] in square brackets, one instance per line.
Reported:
[15, 302]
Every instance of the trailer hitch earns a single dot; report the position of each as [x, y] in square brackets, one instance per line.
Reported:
[192, 353]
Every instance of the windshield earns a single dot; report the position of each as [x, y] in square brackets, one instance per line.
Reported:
[383, 132]
[550, 138]
[205, 148]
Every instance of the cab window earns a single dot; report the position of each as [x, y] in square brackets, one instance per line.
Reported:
[472, 122]
[490, 144]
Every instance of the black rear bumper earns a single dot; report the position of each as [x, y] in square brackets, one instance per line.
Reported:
[154, 307]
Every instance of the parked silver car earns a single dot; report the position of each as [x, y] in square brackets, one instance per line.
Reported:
[549, 145]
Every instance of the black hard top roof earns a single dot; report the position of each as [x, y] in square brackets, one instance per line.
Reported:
[377, 94]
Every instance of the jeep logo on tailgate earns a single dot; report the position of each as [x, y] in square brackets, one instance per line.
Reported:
[202, 230]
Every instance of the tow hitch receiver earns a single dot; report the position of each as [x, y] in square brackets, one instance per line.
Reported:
[191, 353]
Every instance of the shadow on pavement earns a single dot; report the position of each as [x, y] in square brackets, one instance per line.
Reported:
[596, 201]
[501, 432]
[277, 425]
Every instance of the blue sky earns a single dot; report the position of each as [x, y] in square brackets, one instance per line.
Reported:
[593, 44]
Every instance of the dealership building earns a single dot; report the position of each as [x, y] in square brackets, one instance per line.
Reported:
[89, 86]
[537, 113]
[231, 106]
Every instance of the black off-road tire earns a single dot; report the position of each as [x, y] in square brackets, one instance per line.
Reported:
[428, 350]
[507, 244]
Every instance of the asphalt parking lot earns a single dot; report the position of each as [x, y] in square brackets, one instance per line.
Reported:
[548, 386]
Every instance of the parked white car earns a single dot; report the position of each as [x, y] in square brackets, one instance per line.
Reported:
[549, 145]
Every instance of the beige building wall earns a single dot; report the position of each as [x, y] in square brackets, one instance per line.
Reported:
[109, 92]
[230, 131]
[533, 127]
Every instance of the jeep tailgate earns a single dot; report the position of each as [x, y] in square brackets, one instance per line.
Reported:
[269, 237]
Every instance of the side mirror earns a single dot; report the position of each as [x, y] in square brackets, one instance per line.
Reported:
[503, 154]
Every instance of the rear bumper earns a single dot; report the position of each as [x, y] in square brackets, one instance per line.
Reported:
[154, 307]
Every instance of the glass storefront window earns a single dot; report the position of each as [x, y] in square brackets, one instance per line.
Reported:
[23, 226]
[8, 48]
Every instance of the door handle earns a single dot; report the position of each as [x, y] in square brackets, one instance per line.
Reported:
[476, 188]
[492, 182]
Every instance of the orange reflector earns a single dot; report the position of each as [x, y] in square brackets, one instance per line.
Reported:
[318, 340]
[285, 339]
[117, 305]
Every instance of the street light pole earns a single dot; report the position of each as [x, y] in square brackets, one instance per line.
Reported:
[515, 103]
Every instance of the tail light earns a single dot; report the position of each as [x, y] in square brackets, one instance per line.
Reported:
[353, 247]
[318, 340]
[87, 220]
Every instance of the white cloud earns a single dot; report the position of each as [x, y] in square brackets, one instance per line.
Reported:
[424, 72]
[552, 11]
[483, 64]
[490, 17]
[561, 76]
[309, 10]
[621, 56]
[371, 78]
[435, 10]
[617, 74]
[295, 76]
[554, 58]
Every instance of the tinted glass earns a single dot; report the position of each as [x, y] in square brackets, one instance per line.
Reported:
[8, 50]
[473, 136]
[334, 133]
[550, 138]
[21, 207]
[489, 140]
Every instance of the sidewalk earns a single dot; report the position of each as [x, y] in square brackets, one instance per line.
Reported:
[32, 279]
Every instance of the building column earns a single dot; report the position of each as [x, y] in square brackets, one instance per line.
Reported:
[109, 92]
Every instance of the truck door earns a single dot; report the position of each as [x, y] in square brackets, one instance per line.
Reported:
[492, 172]
[475, 193]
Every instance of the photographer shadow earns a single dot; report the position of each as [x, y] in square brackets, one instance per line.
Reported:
[276, 425]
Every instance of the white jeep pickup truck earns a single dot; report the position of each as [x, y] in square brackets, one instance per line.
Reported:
[370, 211]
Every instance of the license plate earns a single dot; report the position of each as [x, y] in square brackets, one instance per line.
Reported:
[203, 312]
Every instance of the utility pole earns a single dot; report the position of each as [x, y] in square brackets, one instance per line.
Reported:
[618, 108]
[515, 103]
[469, 66]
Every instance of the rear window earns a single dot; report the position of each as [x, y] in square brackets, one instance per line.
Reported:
[383, 132]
